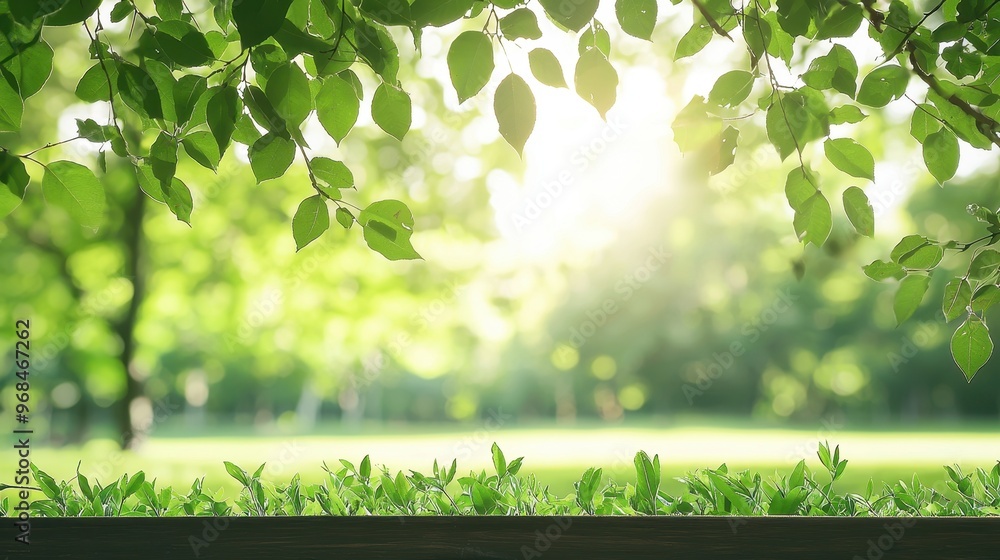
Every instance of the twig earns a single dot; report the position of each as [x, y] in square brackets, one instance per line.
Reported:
[906, 38]
[986, 125]
[711, 20]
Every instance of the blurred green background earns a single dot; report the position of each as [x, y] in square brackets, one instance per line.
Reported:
[600, 295]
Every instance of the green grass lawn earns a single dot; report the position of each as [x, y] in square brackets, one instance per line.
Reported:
[557, 455]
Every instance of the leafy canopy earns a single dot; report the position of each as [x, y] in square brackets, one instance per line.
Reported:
[254, 71]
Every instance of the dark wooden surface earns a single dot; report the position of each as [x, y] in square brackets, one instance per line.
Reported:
[509, 538]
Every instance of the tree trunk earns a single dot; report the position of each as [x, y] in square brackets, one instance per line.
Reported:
[131, 235]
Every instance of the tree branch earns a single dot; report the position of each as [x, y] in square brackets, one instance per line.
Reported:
[912, 30]
[986, 125]
[876, 17]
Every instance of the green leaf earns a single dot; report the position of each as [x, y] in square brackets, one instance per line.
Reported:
[387, 12]
[266, 115]
[719, 160]
[72, 12]
[163, 157]
[345, 218]
[971, 346]
[883, 85]
[787, 504]
[46, 483]
[178, 199]
[351, 78]
[295, 41]
[202, 148]
[267, 58]
[222, 111]
[90, 130]
[11, 106]
[957, 298]
[93, 86]
[813, 220]
[962, 124]
[520, 24]
[288, 91]
[246, 132]
[134, 484]
[75, 189]
[499, 462]
[780, 44]
[436, 13]
[800, 117]
[187, 92]
[859, 211]
[256, 20]
[484, 498]
[377, 48]
[310, 221]
[882, 270]
[794, 16]
[596, 81]
[736, 498]
[850, 157]
[182, 43]
[470, 63]
[800, 184]
[26, 11]
[836, 70]
[138, 91]
[961, 63]
[692, 42]
[843, 20]
[984, 265]
[637, 17]
[365, 469]
[31, 68]
[732, 88]
[546, 68]
[388, 226]
[391, 110]
[169, 9]
[647, 483]
[757, 34]
[813, 217]
[572, 15]
[985, 298]
[695, 130]
[514, 105]
[163, 84]
[333, 176]
[13, 181]
[148, 183]
[337, 107]
[917, 252]
[924, 122]
[239, 474]
[949, 31]
[941, 154]
[122, 10]
[270, 156]
[911, 291]
[846, 114]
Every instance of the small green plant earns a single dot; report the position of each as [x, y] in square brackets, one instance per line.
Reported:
[357, 490]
